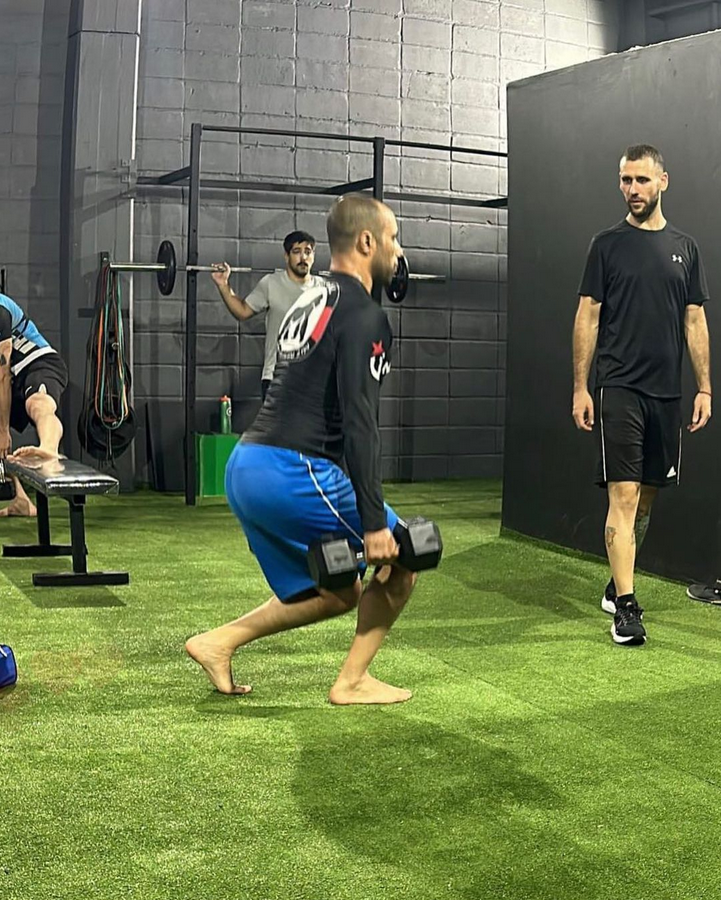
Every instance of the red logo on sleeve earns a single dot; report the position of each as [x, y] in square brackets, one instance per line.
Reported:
[379, 362]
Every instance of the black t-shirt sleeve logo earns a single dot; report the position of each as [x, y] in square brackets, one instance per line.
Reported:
[379, 362]
[306, 321]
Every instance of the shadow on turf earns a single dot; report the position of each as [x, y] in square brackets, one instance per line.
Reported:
[392, 789]
[20, 574]
[222, 705]
[500, 567]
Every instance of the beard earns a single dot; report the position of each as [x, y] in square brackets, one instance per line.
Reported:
[646, 210]
[382, 272]
[300, 269]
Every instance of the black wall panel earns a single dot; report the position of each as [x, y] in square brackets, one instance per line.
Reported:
[567, 130]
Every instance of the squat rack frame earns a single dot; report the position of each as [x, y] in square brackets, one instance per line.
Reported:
[190, 176]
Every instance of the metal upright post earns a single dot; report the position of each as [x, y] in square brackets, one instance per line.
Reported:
[191, 313]
[379, 150]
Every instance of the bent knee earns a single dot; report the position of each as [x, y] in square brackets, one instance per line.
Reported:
[345, 599]
[40, 404]
[398, 584]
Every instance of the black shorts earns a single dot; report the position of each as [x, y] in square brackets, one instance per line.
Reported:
[48, 374]
[639, 437]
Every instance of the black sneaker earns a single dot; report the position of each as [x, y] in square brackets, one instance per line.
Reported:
[706, 593]
[608, 601]
[627, 628]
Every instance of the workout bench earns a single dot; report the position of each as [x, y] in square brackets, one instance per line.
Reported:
[72, 481]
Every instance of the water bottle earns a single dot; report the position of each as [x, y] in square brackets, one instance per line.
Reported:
[226, 415]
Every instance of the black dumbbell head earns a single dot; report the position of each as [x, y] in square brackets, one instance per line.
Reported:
[420, 543]
[333, 563]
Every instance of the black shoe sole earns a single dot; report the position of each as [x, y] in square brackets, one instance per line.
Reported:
[635, 641]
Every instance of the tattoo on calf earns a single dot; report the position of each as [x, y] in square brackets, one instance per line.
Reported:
[641, 527]
[610, 535]
[3, 359]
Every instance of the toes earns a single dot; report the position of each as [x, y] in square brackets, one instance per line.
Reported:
[235, 690]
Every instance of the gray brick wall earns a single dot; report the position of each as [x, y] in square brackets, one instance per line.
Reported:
[425, 70]
[33, 41]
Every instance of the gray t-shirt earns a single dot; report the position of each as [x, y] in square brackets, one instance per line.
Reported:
[275, 294]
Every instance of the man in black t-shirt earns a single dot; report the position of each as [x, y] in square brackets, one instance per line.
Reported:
[642, 292]
[284, 481]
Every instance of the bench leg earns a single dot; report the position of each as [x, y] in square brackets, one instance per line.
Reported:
[77, 535]
[41, 502]
[80, 575]
[44, 547]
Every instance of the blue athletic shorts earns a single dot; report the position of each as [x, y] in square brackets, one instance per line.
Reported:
[284, 501]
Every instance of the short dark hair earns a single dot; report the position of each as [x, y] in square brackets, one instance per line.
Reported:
[297, 237]
[643, 151]
[350, 215]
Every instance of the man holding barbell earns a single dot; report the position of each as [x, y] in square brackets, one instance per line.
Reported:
[274, 294]
[33, 377]
[284, 480]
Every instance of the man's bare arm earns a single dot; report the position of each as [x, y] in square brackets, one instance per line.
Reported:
[235, 305]
[6, 347]
[585, 337]
[697, 341]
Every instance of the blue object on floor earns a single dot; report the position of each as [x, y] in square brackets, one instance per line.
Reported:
[8, 666]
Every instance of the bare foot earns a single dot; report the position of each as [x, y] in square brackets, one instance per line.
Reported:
[368, 690]
[19, 508]
[33, 453]
[216, 663]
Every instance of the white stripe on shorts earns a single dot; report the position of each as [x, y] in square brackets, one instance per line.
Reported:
[326, 500]
[603, 439]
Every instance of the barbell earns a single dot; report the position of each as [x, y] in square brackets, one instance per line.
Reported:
[166, 268]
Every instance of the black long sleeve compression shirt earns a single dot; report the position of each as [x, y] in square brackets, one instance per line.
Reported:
[333, 353]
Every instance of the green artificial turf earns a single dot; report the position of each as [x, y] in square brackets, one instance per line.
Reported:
[536, 759]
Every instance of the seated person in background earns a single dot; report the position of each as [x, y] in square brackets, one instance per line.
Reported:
[274, 294]
[32, 379]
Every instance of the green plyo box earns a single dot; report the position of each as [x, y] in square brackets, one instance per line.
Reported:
[212, 452]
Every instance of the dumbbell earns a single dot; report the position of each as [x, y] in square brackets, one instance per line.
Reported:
[7, 486]
[333, 563]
